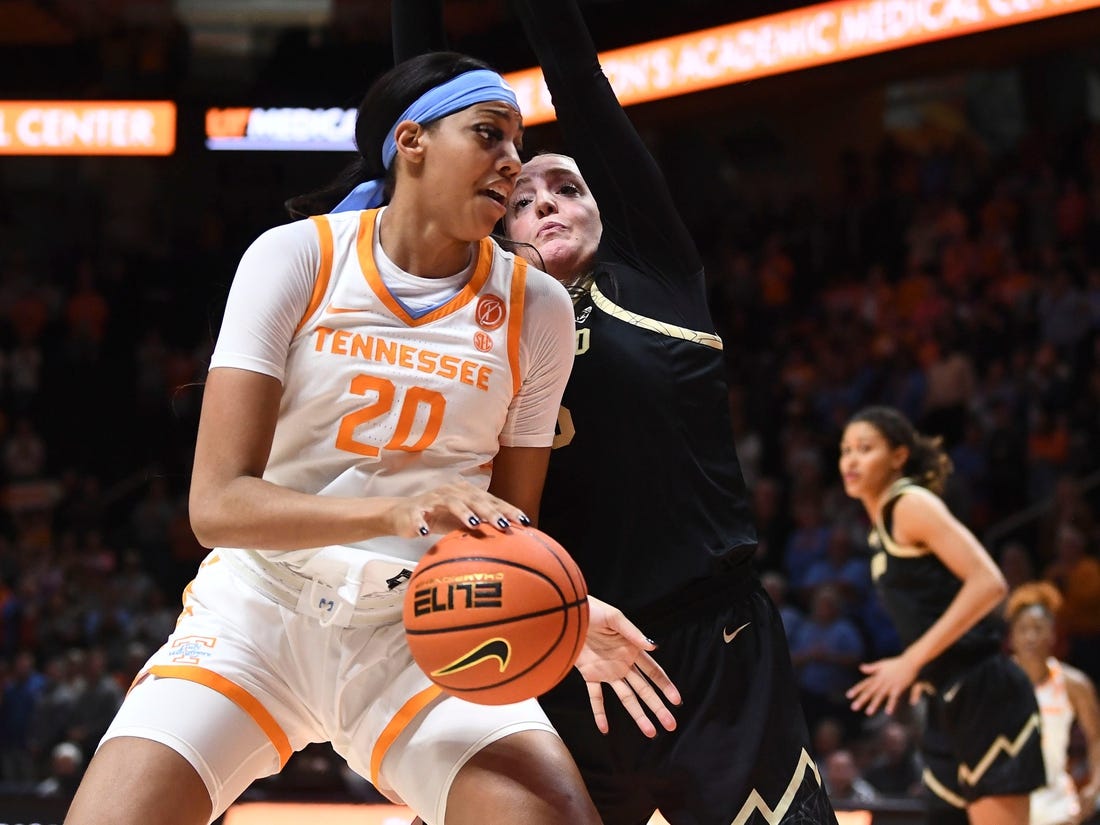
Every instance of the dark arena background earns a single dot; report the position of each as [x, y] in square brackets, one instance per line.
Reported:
[898, 202]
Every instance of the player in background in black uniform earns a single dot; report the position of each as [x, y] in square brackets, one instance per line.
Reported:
[982, 743]
[644, 486]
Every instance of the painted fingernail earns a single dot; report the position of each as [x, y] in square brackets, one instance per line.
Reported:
[503, 523]
[474, 521]
[423, 531]
[650, 641]
[526, 522]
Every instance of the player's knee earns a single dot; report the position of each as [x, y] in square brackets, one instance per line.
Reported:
[156, 783]
[527, 777]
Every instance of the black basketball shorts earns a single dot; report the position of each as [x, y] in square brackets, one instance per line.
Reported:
[740, 753]
[983, 736]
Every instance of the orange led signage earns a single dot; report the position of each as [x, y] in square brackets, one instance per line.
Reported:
[811, 36]
[86, 127]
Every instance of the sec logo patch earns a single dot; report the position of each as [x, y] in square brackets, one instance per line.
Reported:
[483, 341]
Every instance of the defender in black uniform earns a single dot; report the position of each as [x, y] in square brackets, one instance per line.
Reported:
[982, 745]
[644, 488]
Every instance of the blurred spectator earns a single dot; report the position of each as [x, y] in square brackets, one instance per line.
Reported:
[1047, 453]
[896, 769]
[1077, 575]
[154, 619]
[951, 386]
[772, 522]
[97, 700]
[1068, 506]
[86, 313]
[52, 712]
[1016, 564]
[82, 506]
[1049, 384]
[878, 628]
[30, 313]
[1063, 312]
[1071, 211]
[966, 493]
[844, 782]
[1092, 296]
[825, 651]
[24, 366]
[24, 452]
[807, 542]
[17, 700]
[827, 737]
[775, 274]
[132, 583]
[66, 768]
[151, 527]
[775, 585]
[904, 384]
[848, 573]
[1006, 448]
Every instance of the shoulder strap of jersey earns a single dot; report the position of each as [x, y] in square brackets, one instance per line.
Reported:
[884, 518]
[324, 270]
[515, 318]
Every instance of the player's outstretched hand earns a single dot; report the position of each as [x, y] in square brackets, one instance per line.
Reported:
[616, 652]
[451, 506]
[887, 680]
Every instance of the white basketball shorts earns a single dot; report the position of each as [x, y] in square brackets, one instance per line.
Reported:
[245, 681]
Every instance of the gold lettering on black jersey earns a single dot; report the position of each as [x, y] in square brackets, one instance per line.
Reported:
[564, 431]
[584, 339]
[878, 564]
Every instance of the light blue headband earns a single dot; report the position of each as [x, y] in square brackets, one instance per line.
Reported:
[458, 93]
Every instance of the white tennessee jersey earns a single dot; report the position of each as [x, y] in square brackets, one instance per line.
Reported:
[1056, 802]
[380, 399]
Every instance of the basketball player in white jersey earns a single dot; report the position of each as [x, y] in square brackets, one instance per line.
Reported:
[381, 376]
[1065, 694]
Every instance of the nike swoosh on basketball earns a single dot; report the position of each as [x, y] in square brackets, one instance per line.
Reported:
[729, 637]
[498, 649]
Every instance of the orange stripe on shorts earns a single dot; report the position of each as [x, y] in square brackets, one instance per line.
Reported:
[397, 724]
[236, 694]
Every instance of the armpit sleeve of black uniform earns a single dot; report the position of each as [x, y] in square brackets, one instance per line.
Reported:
[417, 28]
[635, 204]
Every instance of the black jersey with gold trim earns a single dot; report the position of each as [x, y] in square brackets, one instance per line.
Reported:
[644, 488]
[648, 492]
[917, 588]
